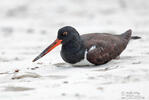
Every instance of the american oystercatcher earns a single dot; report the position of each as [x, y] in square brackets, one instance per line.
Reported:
[93, 48]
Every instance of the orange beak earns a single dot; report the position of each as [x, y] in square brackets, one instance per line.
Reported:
[48, 49]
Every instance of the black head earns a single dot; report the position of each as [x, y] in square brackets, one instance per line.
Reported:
[67, 34]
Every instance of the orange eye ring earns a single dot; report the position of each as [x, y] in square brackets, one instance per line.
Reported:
[65, 33]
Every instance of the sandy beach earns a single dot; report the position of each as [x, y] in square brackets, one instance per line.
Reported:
[27, 27]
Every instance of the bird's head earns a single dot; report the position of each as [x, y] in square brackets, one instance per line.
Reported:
[65, 35]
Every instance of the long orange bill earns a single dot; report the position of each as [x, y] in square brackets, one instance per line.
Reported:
[48, 49]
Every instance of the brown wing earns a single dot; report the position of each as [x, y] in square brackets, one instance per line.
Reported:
[107, 46]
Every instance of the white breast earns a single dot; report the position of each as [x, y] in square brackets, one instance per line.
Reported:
[85, 62]
[92, 48]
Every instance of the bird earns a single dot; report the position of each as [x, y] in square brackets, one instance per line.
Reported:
[90, 48]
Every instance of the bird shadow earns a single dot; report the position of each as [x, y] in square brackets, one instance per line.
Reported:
[113, 64]
[105, 67]
[69, 66]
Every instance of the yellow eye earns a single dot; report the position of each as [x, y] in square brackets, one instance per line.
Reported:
[65, 33]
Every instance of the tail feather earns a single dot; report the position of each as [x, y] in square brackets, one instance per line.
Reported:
[135, 37]
[127, 35]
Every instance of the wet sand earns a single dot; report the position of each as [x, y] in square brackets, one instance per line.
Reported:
[28, 27]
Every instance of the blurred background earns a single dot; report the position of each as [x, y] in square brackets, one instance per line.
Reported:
[32, 24]
[95, 15]
[28, 26]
